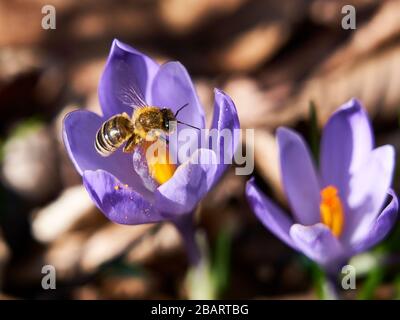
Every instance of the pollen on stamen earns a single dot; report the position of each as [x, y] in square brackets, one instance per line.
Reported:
[331, 210]
[116, 188]
[160, 165]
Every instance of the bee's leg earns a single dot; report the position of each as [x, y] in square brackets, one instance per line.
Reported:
[131, 143]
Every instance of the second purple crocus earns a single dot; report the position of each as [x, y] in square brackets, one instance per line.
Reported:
[116, 183]
[345, 207]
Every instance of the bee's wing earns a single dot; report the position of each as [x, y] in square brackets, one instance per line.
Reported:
[130, 94]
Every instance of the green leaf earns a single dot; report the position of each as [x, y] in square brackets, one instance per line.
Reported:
[373, 280]
[221, 262]
[314, 134]
[199, 283]
[318, 278]
[210, 278]
[397, 287]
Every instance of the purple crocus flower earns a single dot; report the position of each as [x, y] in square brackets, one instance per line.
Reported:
[116, 183]
[344, 208]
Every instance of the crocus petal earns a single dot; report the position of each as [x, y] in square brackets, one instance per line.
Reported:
[141, 167]
[346, 141]
[127, 72]
[319, 244]
[381, 226]
[225, 120]
[79, 133]
[368, 191]
[119, 203]
[299, 177]
[172, 88]
[269, 214]
[190, 182]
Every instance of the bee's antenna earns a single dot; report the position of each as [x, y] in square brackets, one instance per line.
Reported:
[179, 110]
[188, 125]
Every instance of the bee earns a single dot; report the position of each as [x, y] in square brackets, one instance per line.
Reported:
[147, 124]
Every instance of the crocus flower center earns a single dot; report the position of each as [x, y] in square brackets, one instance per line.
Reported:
[331, 210]
[160, 167]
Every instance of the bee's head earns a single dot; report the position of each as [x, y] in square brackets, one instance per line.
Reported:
[168, 120]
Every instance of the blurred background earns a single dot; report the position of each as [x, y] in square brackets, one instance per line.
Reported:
[272, 57]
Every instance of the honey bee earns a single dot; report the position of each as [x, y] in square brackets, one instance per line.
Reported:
[148, 123]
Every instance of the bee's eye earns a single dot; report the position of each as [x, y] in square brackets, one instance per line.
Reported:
[166, 125]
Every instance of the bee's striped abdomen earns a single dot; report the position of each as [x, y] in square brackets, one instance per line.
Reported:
[113, 134]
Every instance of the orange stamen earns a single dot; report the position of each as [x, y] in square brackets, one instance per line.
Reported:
[331, 209]
[160, 166]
